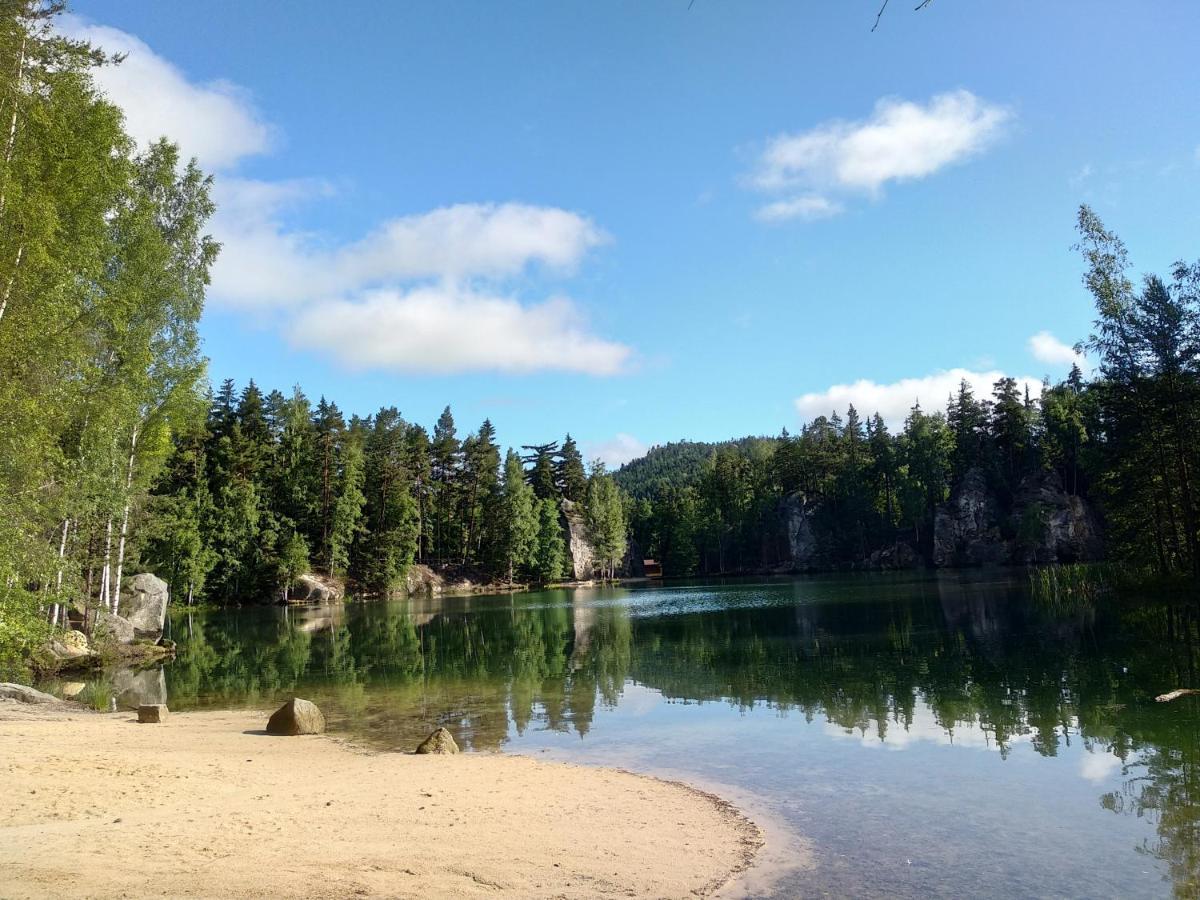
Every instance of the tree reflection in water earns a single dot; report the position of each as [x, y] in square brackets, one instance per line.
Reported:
[872, 656]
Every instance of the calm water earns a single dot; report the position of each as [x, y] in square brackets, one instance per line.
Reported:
[925, 736]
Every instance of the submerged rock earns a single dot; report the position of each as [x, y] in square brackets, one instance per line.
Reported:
[23, 694]
[296, 717]
[152, 712]
[441, 741]
[144, 604]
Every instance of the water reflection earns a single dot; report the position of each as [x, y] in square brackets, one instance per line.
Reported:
[891, 663]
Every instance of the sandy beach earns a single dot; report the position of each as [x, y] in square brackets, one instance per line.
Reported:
[206, 805]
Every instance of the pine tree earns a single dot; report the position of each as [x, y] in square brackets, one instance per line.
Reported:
[550, 552]
[570, 478]
[517, 518]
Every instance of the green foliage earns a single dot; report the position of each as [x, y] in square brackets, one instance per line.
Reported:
[605, 519]
[548, 563]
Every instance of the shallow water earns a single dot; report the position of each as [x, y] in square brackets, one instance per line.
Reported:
[927, 736]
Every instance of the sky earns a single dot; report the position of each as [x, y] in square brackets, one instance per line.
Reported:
[644, 222]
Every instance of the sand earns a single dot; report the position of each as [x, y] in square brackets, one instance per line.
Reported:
[205, 805]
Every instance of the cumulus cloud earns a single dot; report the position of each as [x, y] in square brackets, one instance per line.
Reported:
[900, 141]
[393, 297]
[214, 121]
[616, 451]
[1048, 349]
[266, 263]
[894, 400]
[446, 329]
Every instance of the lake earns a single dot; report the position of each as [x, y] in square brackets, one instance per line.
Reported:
[902, 736]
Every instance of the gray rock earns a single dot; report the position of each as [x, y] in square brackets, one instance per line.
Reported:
[440, 741]
[1052, 525]
[152, 713]
[312, 588]
[296, 717]
[134, 688]
[23, 694]
[966, 528]
[113, 629]
[797, 514]
[144, 604]
[579, 548]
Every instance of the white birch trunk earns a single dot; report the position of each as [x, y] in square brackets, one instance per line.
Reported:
[11, 279]
[62, 552]
[104, 573]
[12, 129]
[133, 439]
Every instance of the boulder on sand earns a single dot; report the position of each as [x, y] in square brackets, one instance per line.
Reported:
[152, 712]
[441, 741]
[23, 694]
[296, 717]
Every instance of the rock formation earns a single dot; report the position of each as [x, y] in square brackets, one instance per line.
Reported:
[113, 629]
[797, 514]
[137, 687]
[296, 717]
[966, 528]
[440, 741]
[579, 548]
[1044, 525]
[310, 588]
[144, 604]
[23, 694]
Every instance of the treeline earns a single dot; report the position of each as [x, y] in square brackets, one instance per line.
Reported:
[103, 267]
[1125, 439]
[269, 487]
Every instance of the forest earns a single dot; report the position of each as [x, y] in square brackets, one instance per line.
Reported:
[119, 457]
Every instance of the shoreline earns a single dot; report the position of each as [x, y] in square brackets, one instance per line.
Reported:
[206, 804]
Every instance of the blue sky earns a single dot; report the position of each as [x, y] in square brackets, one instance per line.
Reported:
[641, 222]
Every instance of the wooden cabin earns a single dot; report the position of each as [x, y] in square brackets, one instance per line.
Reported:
[652, 568]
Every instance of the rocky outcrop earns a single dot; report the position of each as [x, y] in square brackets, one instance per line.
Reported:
[966, 528]
[296, 717]
[144, 604]
[23, 694]
[420, 579]
[803, 548]
[1044, 525]
[311, 588]
[579, 548]
[440, 741]
[1052, 525]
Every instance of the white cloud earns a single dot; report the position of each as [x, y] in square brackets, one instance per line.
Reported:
[392, 299]
[448, 329]
[900, 141]
[1048, 349]
[215, 121]
[893, 401]
[1098, 766]
[807, 207]
[267, 263]
[616, 451]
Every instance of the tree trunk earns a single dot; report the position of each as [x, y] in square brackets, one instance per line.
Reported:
[105, 572]
[11, 281]
[125, 517]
